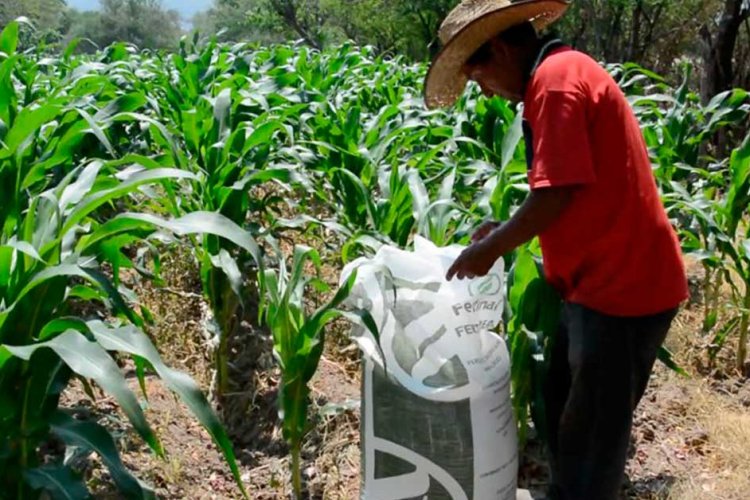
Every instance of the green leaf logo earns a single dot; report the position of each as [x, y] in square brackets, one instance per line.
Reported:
[489, 285]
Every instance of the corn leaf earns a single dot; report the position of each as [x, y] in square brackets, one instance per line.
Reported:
[88, 359]
[59, 482]
[9, 38]
[99, 198]
[94, 437]
[203, 223]
[133, 341]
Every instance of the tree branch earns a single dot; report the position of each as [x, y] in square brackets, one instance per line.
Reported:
[287, 10]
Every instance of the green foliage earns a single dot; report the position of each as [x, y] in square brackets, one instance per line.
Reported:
[706, 195]
[652, 32]
[531, 322]
[246, 20]
[47, 16]
[404, 28]
[143, 23]
[59, 255]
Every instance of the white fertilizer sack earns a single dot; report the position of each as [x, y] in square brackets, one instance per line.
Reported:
[437, 419]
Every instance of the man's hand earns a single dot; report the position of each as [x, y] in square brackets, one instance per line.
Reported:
[536, 214]
[476, 260]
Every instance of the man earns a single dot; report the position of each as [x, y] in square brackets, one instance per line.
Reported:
[606, 241]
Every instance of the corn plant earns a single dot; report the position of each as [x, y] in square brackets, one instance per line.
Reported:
[441, 220]
[51, 269]
[677, 128]
[494, 124]
[228, 174]
[735, 213]
[530, 323]
[209, 135]
[298, 338]
[717, 236]
[699, 237]
[47, 268]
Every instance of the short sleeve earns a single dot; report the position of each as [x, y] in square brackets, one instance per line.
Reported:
[560, 148]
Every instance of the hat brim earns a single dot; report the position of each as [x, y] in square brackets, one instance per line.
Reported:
[445, 81]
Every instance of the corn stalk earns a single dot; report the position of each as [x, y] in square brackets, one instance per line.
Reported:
[298, 343]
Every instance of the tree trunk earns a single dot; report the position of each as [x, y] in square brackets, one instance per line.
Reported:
[613, 42]
[635, 31]
[718, 49]
[288, 11]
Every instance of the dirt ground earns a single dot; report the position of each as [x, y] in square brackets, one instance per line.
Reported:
[691, 438]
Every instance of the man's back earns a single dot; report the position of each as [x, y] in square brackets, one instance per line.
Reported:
[613, 249]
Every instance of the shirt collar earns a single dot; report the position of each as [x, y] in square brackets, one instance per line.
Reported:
[549, 45]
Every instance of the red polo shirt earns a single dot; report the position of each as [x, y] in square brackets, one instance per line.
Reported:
[613, 248]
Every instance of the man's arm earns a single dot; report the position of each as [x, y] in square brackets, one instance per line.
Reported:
[534, 216]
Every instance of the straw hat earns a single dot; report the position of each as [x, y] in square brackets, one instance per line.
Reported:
[469, 26]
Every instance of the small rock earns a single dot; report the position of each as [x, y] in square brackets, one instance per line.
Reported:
[309, 472]
[697, 439]
[648, 434]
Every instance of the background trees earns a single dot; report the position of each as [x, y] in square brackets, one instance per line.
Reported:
[714, 35]
[145, 23]
[654, 33]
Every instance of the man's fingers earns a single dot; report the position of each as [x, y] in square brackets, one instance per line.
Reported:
[451, 272]
[456, 270]
[460, 268]
[464, 273]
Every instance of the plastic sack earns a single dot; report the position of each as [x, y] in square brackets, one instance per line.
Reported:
[437, 419]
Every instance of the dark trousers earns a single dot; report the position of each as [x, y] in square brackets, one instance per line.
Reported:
[599, 369]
